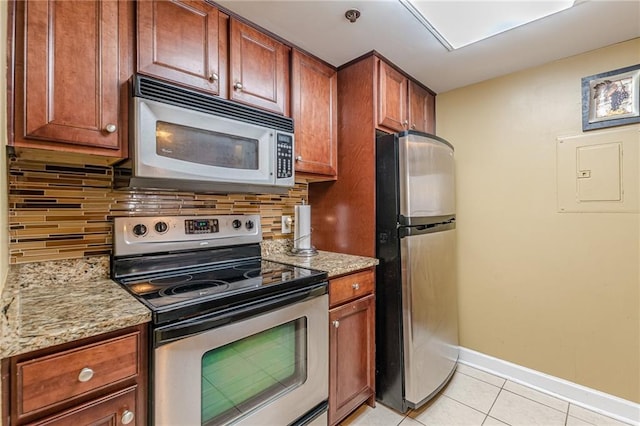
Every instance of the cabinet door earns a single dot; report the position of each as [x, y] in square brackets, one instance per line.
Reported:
[71, 83]
[179, 41]
[421, 109]
[112, 410]
[351, 357]
[392, 98]
[314, 105]
[259, 69]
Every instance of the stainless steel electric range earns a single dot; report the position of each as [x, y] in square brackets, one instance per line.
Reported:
[235, 339]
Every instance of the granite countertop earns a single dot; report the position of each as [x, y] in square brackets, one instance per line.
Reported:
[48, 303]
[335, 264]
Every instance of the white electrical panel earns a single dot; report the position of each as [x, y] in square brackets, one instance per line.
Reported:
[598, 172]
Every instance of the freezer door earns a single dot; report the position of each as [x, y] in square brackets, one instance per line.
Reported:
[426, 174]
[430, 313]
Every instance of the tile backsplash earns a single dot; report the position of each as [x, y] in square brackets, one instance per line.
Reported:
[58, 211]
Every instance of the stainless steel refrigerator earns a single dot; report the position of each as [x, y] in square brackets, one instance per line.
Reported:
[416, 297]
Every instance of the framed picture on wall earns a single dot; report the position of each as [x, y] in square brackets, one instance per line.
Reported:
[611, 98]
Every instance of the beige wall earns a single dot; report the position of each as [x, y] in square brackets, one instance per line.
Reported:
[4, 241]
[555, 292]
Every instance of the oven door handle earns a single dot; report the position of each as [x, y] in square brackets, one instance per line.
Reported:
[172, 332]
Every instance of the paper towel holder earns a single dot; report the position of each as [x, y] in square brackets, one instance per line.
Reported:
[306, 252]
[302, 237]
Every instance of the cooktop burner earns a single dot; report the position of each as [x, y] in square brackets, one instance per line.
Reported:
[217, 285]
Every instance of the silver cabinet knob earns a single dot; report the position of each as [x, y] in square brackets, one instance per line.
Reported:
[110, 128]
[85, 374]
[405, 123]
[299, 158]
[127, 417]
[213, 77]
[413, 127]
[237, 86]
[336, 323]
[355, 286]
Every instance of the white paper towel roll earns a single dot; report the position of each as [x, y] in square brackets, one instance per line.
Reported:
[302, 229]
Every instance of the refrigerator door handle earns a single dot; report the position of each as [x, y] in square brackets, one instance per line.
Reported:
[408, 231]
[424, 220]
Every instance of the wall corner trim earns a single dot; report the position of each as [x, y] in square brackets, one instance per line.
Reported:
[600, 402]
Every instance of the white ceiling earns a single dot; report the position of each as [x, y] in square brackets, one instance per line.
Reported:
[319, 27]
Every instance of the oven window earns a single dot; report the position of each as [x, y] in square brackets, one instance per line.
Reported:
[246, 374]
[206, 147]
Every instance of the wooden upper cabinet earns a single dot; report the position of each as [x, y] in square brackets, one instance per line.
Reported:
[392, 98]
[71, 83]
[183, 41]
[259, 69]
[314, 104]
[402, 103]
[421, 109]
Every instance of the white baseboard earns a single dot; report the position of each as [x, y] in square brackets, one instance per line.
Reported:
[600, 402]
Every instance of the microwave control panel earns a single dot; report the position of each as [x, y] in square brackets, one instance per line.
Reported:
[284, 155]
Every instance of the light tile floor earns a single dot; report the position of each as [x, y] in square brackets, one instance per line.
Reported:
[477, 398]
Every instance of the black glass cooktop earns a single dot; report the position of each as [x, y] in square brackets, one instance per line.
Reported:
[181, 294]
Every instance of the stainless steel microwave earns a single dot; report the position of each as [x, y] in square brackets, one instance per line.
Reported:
[186, 140]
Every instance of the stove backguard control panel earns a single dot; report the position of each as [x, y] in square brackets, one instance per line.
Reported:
[201, 226]
[139, 235]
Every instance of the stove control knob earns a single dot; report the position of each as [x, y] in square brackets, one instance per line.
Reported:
[161, 227]
[139, 230]
[249, 224]
[236, 224]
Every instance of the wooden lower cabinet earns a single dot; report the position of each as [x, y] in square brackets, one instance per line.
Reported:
[94, 381]
[351, 353]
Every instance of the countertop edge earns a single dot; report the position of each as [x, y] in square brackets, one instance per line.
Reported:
[334, 264]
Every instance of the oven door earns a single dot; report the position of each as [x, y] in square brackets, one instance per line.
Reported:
[268, 369]
[172, 142]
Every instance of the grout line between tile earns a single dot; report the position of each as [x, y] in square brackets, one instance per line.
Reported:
[460, 402]
[484, 381]
[538, 402]
[494, 401]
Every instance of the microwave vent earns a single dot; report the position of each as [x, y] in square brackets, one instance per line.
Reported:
[155, 90]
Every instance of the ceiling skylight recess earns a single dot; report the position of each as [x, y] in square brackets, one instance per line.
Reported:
[460, 23]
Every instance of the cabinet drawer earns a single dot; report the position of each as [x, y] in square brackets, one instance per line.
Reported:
[48, 380]
[351, 287]
[114, 409]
